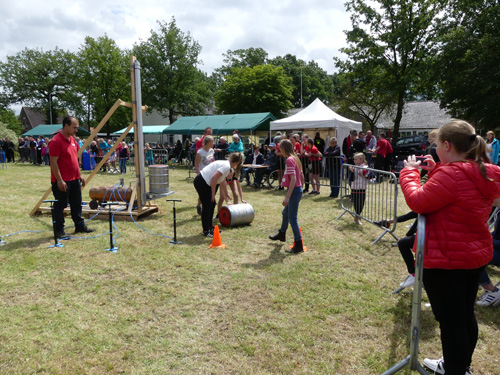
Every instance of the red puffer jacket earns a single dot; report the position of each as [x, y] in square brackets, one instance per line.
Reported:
[457, 201]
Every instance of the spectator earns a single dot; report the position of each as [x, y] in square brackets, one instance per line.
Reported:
[319, 142]
[221, 149]
[199, 142]
[304, 161]
[358, 185]
[371, 145]
[333, 165]
[272, 164]
[255, 158]
[314, 155]
[8, 147]
[124, 155]
[383, 150]
[236, 145]
[149, 154]
[45, 154]
[492, 147]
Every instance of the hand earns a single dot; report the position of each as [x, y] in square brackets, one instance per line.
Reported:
[213, 198]
[285, 202]
[61, 185]
[82, 181]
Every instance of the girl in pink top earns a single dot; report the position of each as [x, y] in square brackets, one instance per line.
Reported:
[293, 179]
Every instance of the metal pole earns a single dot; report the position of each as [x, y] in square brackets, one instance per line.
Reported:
[174, 241]
[50, 108]
[411, 361]
[139, 151]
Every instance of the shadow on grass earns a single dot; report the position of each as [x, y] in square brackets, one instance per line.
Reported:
[23, 243]
[400, 336]
[275, 256]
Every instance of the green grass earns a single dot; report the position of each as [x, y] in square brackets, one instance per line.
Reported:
[154, 308]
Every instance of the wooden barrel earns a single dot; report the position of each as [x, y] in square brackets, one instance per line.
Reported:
[110, 193]
[158, 179]
[236, 214]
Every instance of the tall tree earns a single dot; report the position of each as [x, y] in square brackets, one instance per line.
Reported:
[9, 118]
[172, 83]
[468, 67]
[102, 77]
[308, 79]
[397, 36]
[263, 88]
[37, 78]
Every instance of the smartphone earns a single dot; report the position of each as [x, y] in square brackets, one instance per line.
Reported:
[423, 160]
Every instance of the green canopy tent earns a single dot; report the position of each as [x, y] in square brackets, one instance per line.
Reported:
[51, 130]
[245, 123]
[148, 129]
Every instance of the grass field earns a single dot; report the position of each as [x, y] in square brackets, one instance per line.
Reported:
[154, 308]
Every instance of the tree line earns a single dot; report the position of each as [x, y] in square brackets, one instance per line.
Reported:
[397, 51]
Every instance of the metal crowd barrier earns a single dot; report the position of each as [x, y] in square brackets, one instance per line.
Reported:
[379, 200]
[411, 360]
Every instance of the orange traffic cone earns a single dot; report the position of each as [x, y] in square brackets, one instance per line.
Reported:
[217, 242]
[302, 237]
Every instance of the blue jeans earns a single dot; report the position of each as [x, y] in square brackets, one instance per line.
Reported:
[123, 165]
[290, 214]
[334, 182]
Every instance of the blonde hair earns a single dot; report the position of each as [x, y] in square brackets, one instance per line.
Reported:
[332, 140]
[493, 134]
[463, 137]
[236, 157]
[434, 134]
[360, 155]
[208, 138]
[287, 148]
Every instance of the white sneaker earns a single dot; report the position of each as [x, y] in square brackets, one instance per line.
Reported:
[437, 365]
[408, 282]
[489, 298]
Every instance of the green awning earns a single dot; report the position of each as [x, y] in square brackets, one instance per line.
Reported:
[50, 130]
[148, 129]
[222, 124]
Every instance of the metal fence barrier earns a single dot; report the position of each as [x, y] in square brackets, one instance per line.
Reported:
[372, 197]
[411, 360]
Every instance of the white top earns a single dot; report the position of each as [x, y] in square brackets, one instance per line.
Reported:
[221, 166]
[489, 148]
[207, 157]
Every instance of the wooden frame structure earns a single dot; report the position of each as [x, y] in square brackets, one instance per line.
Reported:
[139, 192]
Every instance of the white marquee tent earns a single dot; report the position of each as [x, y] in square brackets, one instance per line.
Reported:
[317, 116]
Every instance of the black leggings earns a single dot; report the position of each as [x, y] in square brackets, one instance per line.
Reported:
[205, 193]
[452, 294]
[358, 198]
[405, 245]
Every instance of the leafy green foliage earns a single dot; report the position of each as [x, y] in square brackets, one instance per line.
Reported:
[468, 67]
[9, 118]
[263, 88]
[34, 77]
[308, 79]
[396, 38]
[5, 131]
[171, 81]
[102, 76]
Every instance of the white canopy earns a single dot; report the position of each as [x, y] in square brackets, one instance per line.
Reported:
[317, 116]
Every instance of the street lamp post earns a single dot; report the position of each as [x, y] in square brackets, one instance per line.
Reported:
[50, 103]
[301, 105]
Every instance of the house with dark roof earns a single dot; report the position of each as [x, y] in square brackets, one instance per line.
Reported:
[32, 117]
[418, 118]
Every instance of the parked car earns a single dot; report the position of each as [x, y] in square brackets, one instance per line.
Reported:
[410, 145]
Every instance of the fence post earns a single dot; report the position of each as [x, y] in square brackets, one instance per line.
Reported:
[411, 360]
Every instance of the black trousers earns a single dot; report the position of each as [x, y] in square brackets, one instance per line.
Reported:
[452, 294]
[207, 210]
[358, 199]
[73, 196]
[405, 246]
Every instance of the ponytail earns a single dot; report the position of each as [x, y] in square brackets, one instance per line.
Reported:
[286, 146]
[465, 140]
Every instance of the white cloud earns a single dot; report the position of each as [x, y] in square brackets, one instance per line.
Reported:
[311, 30]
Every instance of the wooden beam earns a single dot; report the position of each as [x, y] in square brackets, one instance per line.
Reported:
[132, 197]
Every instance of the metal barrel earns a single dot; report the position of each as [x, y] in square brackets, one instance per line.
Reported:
[158, 179]
[236, 214]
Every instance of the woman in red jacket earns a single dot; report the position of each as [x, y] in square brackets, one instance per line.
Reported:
[456, 200]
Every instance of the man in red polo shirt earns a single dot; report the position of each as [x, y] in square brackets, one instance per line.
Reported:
[66, 178]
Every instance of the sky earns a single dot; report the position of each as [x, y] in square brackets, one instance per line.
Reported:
[308, 29]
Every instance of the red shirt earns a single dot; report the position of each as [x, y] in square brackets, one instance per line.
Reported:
[296, 148]
[314, 151]
[67, 152]
[384, 147]
[199, 143]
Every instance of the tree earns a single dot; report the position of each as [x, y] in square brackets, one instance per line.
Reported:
[171, 81]
[37, 78]
[308, 79]
[263, 88]
[398, 37]
[363, 92]
[102, 76]
[6, 132]
[468, 67]
[9, 118]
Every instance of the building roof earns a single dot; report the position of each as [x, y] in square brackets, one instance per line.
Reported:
[417, 115]
[31, 117]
